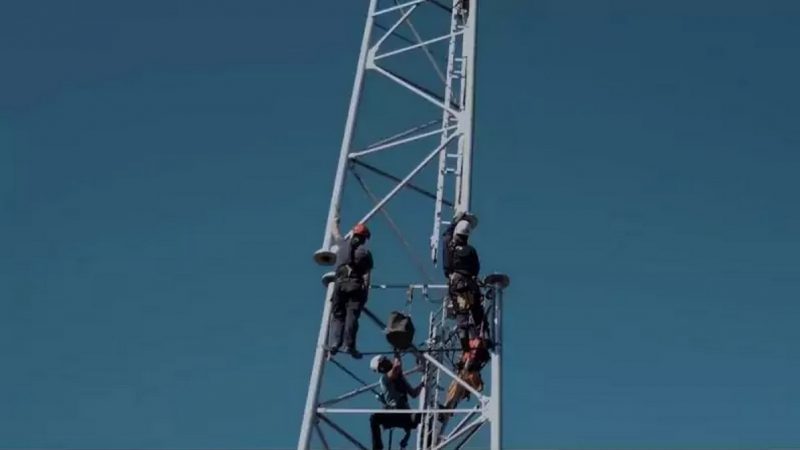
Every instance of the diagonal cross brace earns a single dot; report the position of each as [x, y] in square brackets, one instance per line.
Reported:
[392, 29]
[395, 229]
[477, 423]
[409, 185]
[321, 436]
[341, 431]
[359, 391]
[401, 134]
[468, 437]
[408, 178]
[399, 141]
[419, 90]
[397, 6]
[425, 48]
[455, 377]
[395, 34]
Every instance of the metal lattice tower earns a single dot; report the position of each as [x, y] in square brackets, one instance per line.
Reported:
[425, 49]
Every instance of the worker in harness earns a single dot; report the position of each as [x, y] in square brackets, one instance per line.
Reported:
[394, 392]
[461, 267]
[469, 370]
[354, 266]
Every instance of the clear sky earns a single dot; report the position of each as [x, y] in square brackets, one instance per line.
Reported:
[165, 170]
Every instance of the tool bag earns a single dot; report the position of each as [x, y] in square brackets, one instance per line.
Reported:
[399, 330]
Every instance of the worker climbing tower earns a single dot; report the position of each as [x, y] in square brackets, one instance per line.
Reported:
[407, 144]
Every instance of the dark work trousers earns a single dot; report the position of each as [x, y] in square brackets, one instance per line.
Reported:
[345, 311]
[387, 421]
[474, 311]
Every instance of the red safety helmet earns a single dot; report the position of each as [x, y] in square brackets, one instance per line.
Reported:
[361, 230]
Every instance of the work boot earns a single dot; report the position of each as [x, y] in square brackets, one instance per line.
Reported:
[334, 349]
[352, 352]
[404, 442]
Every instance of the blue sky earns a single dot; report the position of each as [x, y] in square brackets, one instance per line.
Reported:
[165, 170]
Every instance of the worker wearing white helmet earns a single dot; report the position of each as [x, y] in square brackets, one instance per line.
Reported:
[395, 390]
[457, 255]
[462, 228]
[375, 362]
[461, 267]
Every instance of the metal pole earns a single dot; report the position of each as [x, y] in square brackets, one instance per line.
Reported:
[447, 119]
[495, 404]
[425, 394]
[317, 370]
[347, 139]
[468, 53]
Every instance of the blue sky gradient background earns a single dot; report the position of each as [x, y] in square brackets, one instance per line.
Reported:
[164, 178]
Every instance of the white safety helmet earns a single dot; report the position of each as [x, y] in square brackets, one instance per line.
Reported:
[463, 227]
[376, 361]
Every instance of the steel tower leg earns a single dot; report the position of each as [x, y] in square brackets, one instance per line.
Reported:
[325, 255]
[497, 380]
[447, 118]
[468, 112]
[389, 32]
[309, 414]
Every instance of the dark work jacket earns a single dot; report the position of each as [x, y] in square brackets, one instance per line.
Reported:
[461, 258]
[357, 263]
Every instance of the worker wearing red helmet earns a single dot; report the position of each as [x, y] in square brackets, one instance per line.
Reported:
[354, 266]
